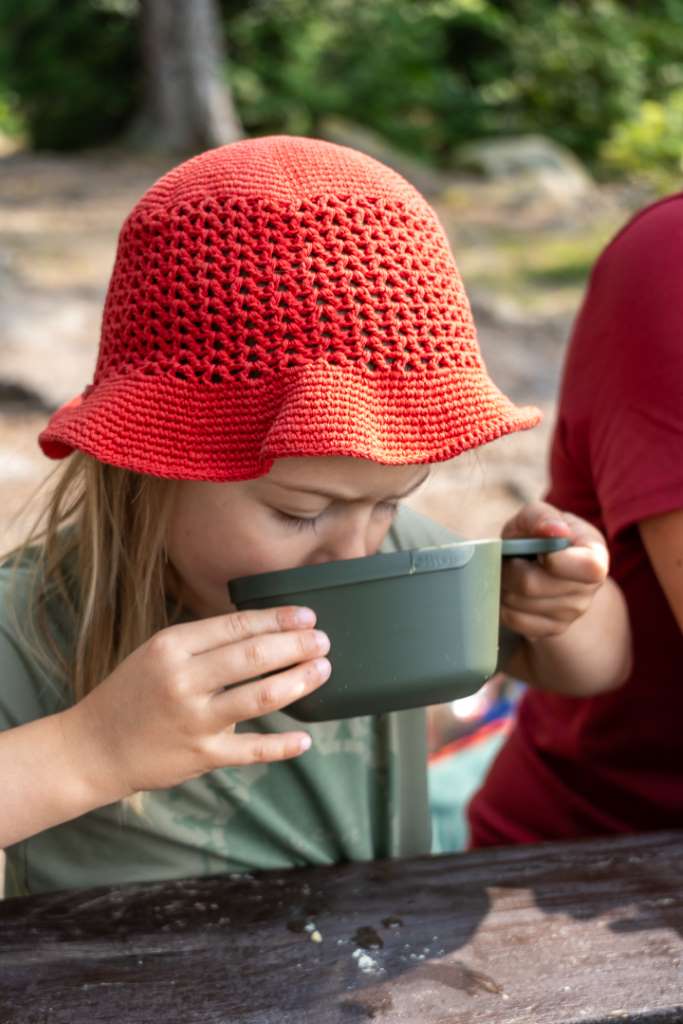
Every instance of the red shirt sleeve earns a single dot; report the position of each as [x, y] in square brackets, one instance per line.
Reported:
[620, 429]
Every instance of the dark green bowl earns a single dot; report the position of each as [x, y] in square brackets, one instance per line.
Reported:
[407, 629]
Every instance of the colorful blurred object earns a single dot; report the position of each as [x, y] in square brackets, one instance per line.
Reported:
[464, 738]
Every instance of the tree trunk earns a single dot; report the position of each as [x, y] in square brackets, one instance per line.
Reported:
[188, 104]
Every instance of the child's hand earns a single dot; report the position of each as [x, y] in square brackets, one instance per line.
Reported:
[544, 597]
[164, 715]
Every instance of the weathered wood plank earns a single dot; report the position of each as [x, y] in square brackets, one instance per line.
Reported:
[557, 934]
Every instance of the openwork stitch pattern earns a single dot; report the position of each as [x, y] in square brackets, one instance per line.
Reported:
[241, 288]
[278, 297]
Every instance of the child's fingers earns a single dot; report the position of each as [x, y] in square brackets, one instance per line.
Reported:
[205, 634]
[263, 696]
[530, 579]
[537, 519]
[256, 656]
[587, 563]
[533, 579]
[533, 627]
[563, 608]
[255, 748]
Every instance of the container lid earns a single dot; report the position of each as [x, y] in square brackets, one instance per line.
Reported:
[354, 570]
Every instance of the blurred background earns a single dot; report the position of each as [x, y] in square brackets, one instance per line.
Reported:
[535, 127]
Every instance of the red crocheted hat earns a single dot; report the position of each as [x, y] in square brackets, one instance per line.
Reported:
[281, 297]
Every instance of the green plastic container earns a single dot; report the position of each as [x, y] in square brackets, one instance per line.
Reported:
[406, 629]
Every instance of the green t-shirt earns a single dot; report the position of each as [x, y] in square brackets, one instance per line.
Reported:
[359, 793]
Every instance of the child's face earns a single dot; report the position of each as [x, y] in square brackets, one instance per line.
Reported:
[306, 510]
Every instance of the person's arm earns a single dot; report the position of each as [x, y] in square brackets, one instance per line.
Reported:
[571, 617]
[47, 777]
[124, 737]
[662, 537]
[590, 657]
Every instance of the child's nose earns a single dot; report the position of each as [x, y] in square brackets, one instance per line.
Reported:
[350, 545]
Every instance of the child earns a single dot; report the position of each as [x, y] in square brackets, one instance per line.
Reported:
[613, 764]
[286, 347]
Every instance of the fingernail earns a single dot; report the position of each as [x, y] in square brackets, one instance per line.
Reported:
[553, 524]
[322, 640]
[322, 667]
[304, 616]
[305, 743]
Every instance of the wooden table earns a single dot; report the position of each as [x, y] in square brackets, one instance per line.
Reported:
[566, 932]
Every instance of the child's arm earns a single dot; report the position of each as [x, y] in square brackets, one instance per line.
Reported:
[571, 616]
[165, 715]
[47, 778]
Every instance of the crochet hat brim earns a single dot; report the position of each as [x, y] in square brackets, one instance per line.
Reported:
[164, 427]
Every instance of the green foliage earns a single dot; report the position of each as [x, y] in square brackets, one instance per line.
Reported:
[579, 69]
[72, 66]
[649, 145]
[410, 70]
[601, 76]
[434, 74]
[11, 121]
[660, 31]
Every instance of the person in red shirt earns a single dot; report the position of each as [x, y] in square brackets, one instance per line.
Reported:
[613, 763]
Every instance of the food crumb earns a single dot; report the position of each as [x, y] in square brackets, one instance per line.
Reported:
[367, 964]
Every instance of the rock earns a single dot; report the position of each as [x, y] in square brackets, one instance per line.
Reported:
[10, 144]
[426, 179]
[532, 164]
[16, 466]
[49, 343]
[16, 397]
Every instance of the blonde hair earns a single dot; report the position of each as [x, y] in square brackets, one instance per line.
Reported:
[98, 546]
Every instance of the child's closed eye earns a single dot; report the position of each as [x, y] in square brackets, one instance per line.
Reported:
[383, 508]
